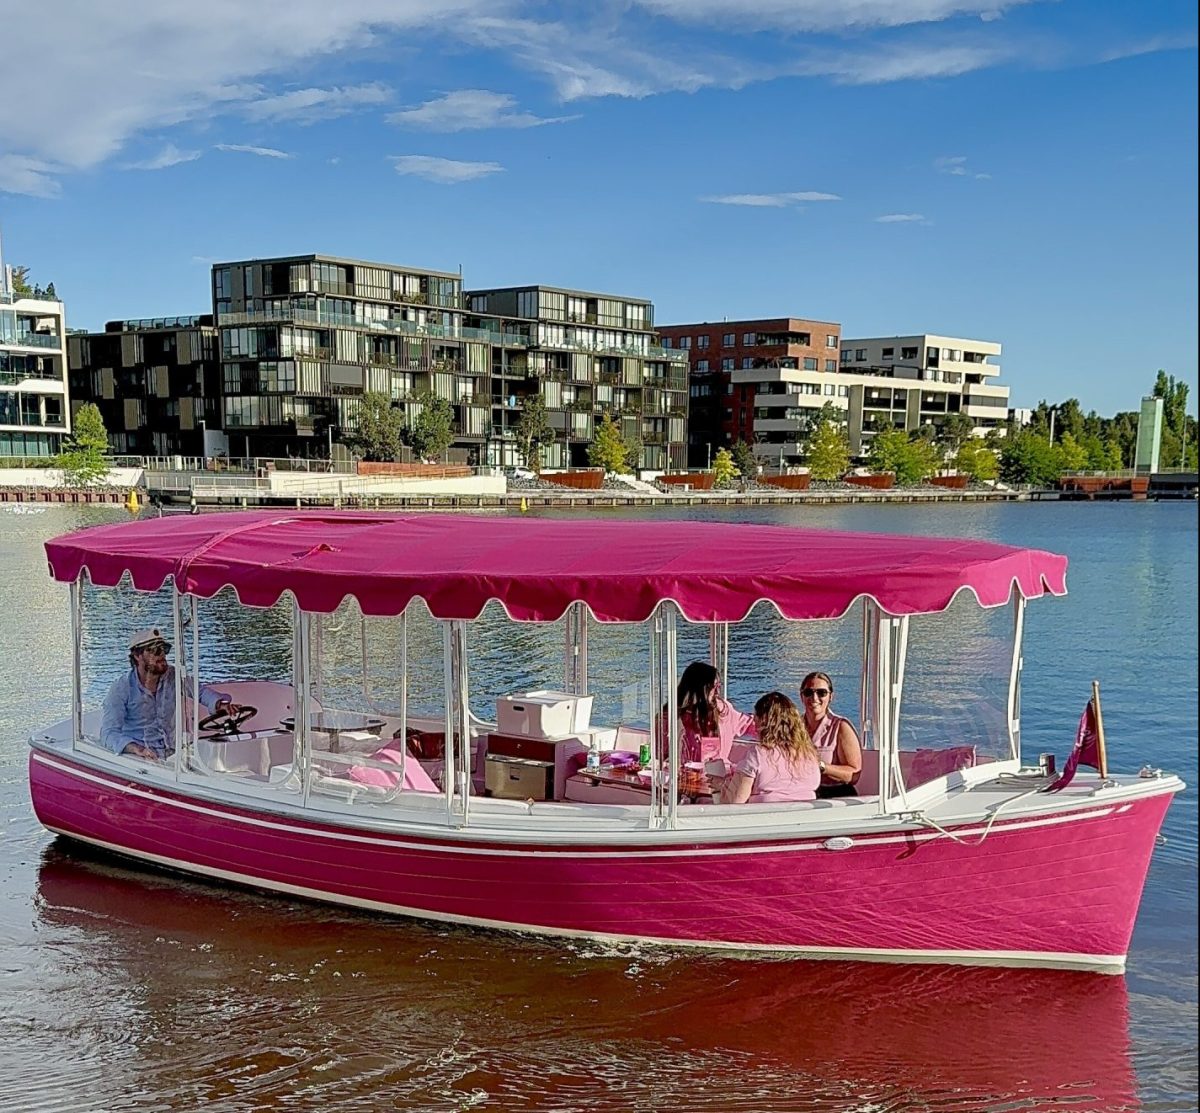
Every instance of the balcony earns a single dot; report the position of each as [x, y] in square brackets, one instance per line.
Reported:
[35, 340]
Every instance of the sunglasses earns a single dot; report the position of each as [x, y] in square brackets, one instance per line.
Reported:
[820, 693]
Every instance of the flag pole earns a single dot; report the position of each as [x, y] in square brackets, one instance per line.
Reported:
[1101, 753]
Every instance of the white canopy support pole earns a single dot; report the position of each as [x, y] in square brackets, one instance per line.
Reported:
[77, 662]
[898, 634]
[449, 718]
[575, 668]
[192, 669]
[1014, 680]
[866, 700]
[317, 658]
[302, 712]
[462, 717]
[183, 743]
[718, 651]
[670, 651]
[403, 699]
[880, 711]
[656, 702]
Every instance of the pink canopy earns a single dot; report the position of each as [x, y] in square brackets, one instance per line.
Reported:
[537, 567]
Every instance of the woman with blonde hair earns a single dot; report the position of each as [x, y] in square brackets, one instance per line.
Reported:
[783, 766]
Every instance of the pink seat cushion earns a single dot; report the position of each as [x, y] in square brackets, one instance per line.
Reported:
[415, 778]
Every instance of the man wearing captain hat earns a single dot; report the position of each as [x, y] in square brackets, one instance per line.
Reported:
[139, 710]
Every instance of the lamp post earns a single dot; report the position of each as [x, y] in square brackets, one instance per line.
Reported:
[203, 444]
[708, 465]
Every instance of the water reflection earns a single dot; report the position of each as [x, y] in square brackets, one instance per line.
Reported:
[193, 996]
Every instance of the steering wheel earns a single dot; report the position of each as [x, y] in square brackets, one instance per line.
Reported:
[222, 723]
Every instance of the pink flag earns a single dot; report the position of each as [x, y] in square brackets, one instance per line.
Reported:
[1086, 750]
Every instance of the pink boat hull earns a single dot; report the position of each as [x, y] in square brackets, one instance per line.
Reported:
[1056, 890]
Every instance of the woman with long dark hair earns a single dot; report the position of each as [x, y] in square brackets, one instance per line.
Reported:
[709, 721]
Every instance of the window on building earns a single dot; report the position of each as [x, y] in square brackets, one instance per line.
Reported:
[727, 365]
[685, 342]
[831, 341]
[702, 341]
[749, 337]
[860, 355]
[701, 365]
[667, 342]
[728, 340]
[829, 390]
[889, 353]
[843, 392]
[810, 364]
[845, 355]
[831, 365]
[747, 363]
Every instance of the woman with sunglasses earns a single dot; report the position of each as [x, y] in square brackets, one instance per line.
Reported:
[838, 749]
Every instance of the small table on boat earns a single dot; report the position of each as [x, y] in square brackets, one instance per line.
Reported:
[337, 723]
[693, 784]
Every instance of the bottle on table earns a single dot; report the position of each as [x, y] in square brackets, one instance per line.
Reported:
[593, 759]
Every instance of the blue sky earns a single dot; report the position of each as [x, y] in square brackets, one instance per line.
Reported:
[1020, 172]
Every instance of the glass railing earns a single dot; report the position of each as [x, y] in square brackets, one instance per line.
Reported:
[36, 340]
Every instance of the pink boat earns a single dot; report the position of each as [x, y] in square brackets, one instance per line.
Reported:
[954, 850]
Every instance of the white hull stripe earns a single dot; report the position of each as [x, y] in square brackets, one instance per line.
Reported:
[1108, 964]
[863, 840]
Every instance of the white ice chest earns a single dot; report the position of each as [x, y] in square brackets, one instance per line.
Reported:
[543, 713]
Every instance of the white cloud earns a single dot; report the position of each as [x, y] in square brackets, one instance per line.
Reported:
[769, 200]
[956, 166]
[307, 106]
[821, 15]
[262, 152]
[31, 176]
[470, 110]
[901, 218]
[444, 171]
[170, 155]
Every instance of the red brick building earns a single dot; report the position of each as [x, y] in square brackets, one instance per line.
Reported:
[720, 406]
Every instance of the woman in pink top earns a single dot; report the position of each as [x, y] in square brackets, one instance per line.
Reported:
[783, 766]
[837, 745]
[709, 722]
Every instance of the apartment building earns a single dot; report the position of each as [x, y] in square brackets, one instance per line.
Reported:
[303, 337]
[909, 381]
[749, 379]
[586, 354]
[34, 410]
[156, 382]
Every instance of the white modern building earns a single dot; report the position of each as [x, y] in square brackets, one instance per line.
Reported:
[881, 382]
[34, 409]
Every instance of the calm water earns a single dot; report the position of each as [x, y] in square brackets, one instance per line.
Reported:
[126, 990]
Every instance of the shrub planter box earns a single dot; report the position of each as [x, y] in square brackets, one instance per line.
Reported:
[954, 482]
[413, 471]
[787, 482]
[875, 482]
[582, 479]
[696, 480]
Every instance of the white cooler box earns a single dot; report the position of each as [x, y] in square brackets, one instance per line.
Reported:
[543, 714]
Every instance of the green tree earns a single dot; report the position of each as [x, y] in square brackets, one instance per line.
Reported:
[1028, 457]
[909, 459]
[380, 428]
[744, 461]
[955, 431]
[1071, 454]
[976, 459]
[724, 468]
[84, 459]
[20, 282]
[533, 430]
[431, 431]
[829, 452]
[608, 449]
